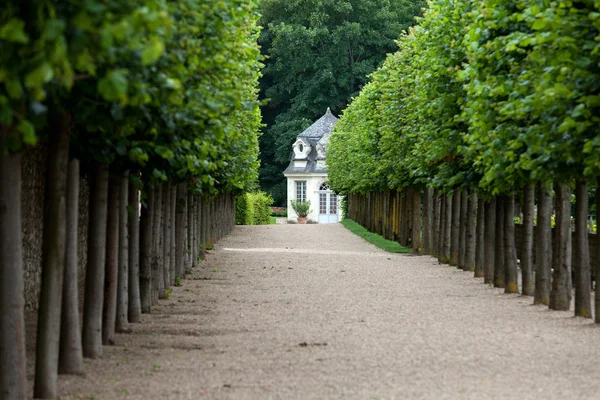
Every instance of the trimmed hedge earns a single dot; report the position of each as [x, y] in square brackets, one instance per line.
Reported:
[253, 209]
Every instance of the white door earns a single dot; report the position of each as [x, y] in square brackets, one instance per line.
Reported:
[328, 205]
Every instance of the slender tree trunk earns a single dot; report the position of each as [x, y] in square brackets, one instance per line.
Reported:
[200, 208]
[173, 262]
[180, 230]
[157, 264]
[94, 277]
[597, 266]
[462, 230]
[480, 240]
[192, 230]
[111, 278]
[448, 229]
[123, 279]
[510, 253]
[583, 283]
[134, 311]
[560, 297]
[146, 252]
[471, 237]
[455, 228]
[543, 247]
[416, 222]
[441, 234]
[489, 233]
[436, 229]
[499, 264]
[167, 236]
[527, 245]
[53, 261]
[428, 220]
[70, 359]
[13, 375]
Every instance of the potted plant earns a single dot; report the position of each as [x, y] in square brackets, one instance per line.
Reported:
[302, 209]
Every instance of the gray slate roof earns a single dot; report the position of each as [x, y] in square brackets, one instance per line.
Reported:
[317, 135]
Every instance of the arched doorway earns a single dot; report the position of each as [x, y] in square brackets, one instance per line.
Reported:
[328, 205]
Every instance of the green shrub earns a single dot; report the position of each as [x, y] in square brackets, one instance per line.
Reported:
[253, 209]
[302, 208]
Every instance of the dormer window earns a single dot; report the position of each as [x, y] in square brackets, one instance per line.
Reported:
[301, 150]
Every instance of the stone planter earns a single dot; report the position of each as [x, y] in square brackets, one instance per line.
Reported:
[302, 220]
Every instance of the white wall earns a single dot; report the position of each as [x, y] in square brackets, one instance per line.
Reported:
[313, 182]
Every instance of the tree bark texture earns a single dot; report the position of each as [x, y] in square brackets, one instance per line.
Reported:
[455, 227]
[111, 277]
[94, 277]
[157, 264]
[427, 220]
[597, 266]
[180, 230]
[416, 222]
[134, 306]
[543, 247]
[480, 240]
[499, 264]
[527, 279]
[470, 232]
[123, 275]
[583, 279]
[13, 376]
[462, 230]
[53, 261]
[447, 229]
[70, 360]
[166, 237]
[489, 233]
[173, 252]
[510, 252]
[560, 297]
[146, 252]
[435, 235]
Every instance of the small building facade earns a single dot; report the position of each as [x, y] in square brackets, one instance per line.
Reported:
[307, 173]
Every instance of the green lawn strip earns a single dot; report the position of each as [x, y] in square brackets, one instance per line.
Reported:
[382, 243]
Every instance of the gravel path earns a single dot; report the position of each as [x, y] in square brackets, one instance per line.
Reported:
[314, 312]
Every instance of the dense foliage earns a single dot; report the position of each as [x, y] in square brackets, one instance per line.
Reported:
[486, 95]
[253, 209]
[145, 85]
[319, 55]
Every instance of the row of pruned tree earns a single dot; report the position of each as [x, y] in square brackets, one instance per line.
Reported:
[153, 101]
[486, 105]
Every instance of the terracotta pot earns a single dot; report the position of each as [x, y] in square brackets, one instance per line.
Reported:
[302, 220]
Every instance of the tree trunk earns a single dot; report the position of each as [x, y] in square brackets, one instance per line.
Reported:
[471, 238]
[435, 230]
[199, 241]
[167, 236]
[146, 252]
[123, 279]
[173, 253]
[70, 360]
[527, 245]
[427, 220]
[134, 309]
[597, 266]
[53, 261]
[158, 290]
[480, 240]
[510, 253]
[560, 297]
[489, 234]
[442, 225]
[180, 230]
[416, 222]
[462, 230]
[109, 315]
[13, 378]
[583, 284]
[543, 247]
[94, 277]
[447, 229]
[499, 264]
[455, 227]
[192, 263]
